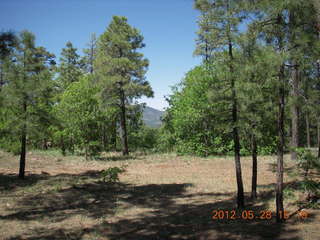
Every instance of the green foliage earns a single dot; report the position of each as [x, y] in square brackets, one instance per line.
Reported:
[79, 115]
[111, 175]
[69, 68]
[26, 93]
[191, 120]
[145, 138]
[307, 161]
[310, 186]
[94, 148]
[119, 65]
[166, 141]
[198, 119]
[120, 70]
[10, 145]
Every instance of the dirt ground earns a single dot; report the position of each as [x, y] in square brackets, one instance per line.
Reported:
[159, 196]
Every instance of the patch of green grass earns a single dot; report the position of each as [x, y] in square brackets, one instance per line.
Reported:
[48, 153]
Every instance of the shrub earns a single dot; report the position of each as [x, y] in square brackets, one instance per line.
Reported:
[111, 175]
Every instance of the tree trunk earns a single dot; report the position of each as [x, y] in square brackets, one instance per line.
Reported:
[281, 143]
[114, 135]
[86, 151]
[308, 130]
[295, 112]
[123, 126]
[254, 166]
[318, 128]
[316, 4]
[1, 78]
[236, 141]
[71, 148]
[23, 142]
[45, 145]
[63, 146]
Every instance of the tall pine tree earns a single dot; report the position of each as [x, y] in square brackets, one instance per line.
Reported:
[28, 76]
[222, 19]
[120, 70]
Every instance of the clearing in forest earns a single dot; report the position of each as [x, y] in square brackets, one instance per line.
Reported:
[158, 197]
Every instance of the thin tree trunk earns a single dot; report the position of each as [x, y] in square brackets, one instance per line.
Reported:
[295, 78]
[316, 4]
[295, 112]
[62, 145]
[281, 117]
[254, 166]
[86, 151]
[308, 130]
[72, 144]
[236, 141]
[45, 145]
[318, 128]
[104, 137]
[114, 135]
[23, 142]
[1, 78]
[123, 126]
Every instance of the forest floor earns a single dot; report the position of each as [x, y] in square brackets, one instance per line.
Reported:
[160, 196]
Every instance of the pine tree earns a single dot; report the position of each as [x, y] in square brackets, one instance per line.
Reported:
[90, 54]
[8, 42]
[69, 68]
[225, 17]
[255, 70]
[120, 69]
[28, 76]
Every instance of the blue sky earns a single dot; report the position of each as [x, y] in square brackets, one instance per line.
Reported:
[168, 27]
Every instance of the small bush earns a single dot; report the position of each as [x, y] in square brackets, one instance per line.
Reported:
[11, 146]
[111, 174]
[94, 148]
[307, 161]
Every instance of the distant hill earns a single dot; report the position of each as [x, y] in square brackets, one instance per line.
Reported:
[151, 117]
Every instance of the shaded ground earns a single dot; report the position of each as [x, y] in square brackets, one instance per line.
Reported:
[158, 197]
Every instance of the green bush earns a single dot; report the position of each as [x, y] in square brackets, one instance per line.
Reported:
[307, 160]
[144, 139]
[111, 175]
[94, 148]
[10, 145]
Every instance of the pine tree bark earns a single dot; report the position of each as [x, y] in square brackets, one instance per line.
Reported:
[316, 4]
[23, 142]
[63, 146]
[236, 140]
[295, 112]
[114, 135]
[281, 143]
[104, 137]
[318, 138]
[123, 125]
[308, 130]
[254, 166]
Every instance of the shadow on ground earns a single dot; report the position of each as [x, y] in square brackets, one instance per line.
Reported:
[9, 182]
[169, 212]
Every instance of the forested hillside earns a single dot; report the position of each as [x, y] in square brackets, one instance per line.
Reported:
[152, 117]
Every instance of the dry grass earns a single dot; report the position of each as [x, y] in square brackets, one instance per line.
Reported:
[159, 197]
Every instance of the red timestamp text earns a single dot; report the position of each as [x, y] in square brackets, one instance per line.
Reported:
[247, 214]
